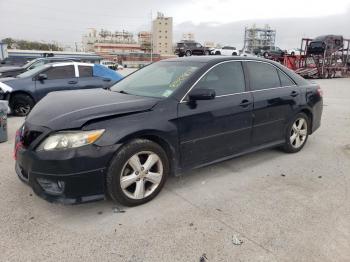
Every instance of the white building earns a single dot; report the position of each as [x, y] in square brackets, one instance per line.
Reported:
[162, 35]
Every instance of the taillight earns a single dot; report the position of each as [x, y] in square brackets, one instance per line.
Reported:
[319, 91]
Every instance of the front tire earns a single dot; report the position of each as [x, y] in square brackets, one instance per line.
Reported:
[137, 173]
[297, 133]
[188, 53]
[21, 104]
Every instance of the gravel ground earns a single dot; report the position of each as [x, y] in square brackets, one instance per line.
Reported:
[284, 207]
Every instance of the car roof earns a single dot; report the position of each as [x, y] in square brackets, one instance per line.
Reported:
[55, 64]
[214, 58]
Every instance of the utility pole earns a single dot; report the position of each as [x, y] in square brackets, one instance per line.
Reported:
[151, 37]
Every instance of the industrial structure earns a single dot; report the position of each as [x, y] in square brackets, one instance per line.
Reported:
[94, 37]
[258, 37]
[162, 35]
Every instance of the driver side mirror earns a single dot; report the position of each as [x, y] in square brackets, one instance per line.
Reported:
[42, 77]
[201, 94]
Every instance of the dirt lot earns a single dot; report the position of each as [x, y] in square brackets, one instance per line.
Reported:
[284, 207]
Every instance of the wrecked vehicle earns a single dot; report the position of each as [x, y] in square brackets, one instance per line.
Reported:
[166, 118]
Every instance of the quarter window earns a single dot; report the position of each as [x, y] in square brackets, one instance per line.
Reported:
[285, 80]
[226, 78]
[85, 71]
[60, 72]
[262, 76]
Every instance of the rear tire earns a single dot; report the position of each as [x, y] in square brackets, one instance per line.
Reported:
[297, 133]
[266, 55]
[129, 172]
[21, 104]
[217, 53]
[188, 53]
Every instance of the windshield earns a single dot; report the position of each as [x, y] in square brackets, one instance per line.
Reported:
[160, 79]
[32, 72]
[28, 64]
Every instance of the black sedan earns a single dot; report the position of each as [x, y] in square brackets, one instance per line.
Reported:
[168, 117]
[29, 87]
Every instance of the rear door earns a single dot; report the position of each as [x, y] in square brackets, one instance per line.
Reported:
[276, 98]
[88, 81]
[59, 78]
[213, 129]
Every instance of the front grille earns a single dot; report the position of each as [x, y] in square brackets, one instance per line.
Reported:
[29, 137]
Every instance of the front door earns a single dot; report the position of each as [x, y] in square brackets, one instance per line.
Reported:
[213, 129]
[58, 78]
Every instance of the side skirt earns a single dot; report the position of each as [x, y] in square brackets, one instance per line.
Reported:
[250, 150]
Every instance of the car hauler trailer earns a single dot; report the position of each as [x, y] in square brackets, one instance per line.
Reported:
[327, 60]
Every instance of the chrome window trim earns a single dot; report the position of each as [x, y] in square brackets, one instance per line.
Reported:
[230, 61]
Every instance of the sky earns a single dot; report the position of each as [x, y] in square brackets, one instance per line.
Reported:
[220, 21]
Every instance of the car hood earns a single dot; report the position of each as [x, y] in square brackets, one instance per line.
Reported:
[10, 68]
[72, 109]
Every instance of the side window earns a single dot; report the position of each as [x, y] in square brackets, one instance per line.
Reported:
[262, 76]
[60, 72]
[285, 80]
[226, 78]
[85, 71]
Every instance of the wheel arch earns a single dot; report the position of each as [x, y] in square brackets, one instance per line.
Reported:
[160, 139]
[20, 92]
[309, 114]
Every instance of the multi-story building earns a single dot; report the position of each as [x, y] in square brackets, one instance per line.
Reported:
[255, 37]
[162, 35]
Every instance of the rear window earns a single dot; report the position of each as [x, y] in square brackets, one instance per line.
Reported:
[262, 76]
[285, 80]
[85, 71]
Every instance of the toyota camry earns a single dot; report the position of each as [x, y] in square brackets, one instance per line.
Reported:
[169, 117]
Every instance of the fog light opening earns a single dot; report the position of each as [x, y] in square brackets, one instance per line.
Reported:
[51, 187]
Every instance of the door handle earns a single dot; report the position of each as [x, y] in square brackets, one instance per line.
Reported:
[72, 82]
[245, 103]
[294, 93]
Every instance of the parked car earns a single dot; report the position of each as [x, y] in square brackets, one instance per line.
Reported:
[226, 50]
[168, 117]
[246, 53]
[109, 64]
[294, 51]
[30, 87]
[273, 52]
[328, 43]
[13, 71]
[14, 61]
[188, 48]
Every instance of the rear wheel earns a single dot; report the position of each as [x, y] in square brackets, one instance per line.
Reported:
[21, 104]
[266, 55]
[217, 53]
[188, 53]
[206, 52]
[297, 133]
[137, 173]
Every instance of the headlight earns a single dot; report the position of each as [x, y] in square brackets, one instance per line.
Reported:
[70, 139]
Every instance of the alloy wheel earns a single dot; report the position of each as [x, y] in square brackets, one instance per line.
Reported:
[22, 110]
[298, 133]
[141, 175]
